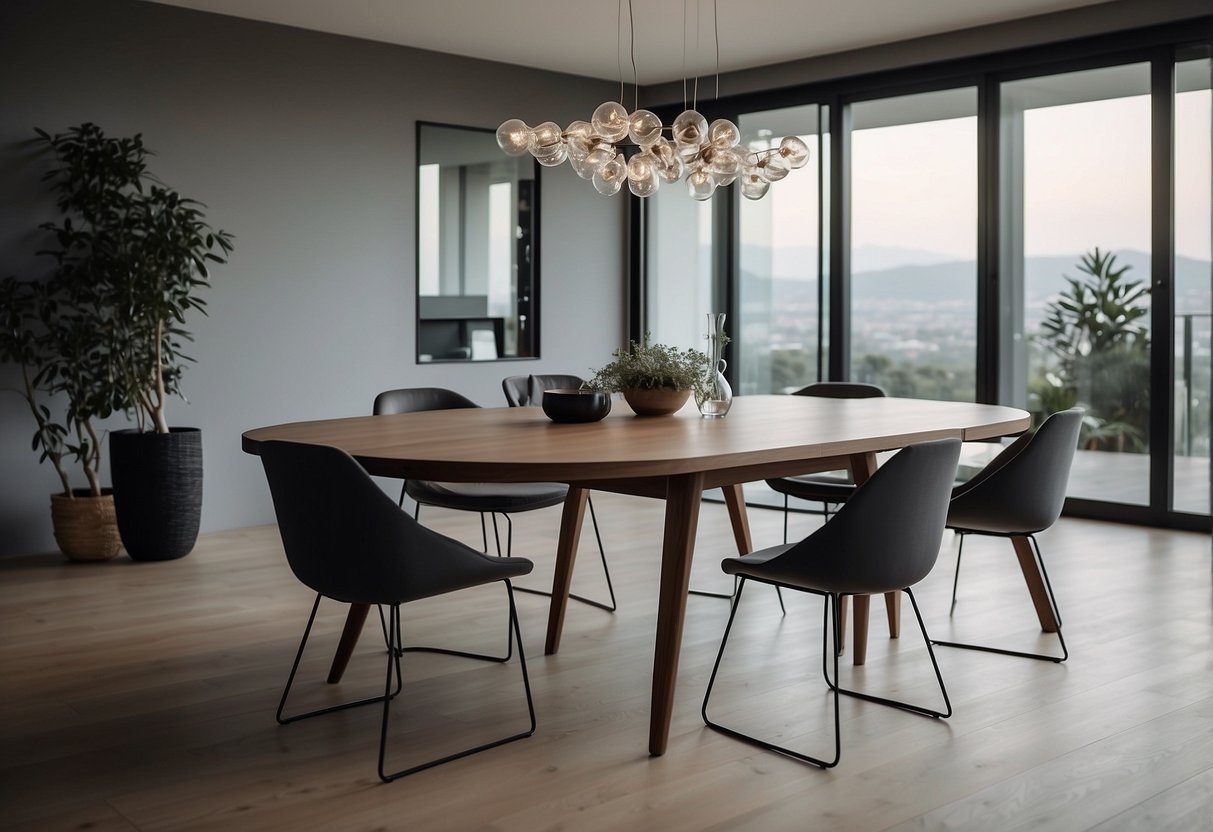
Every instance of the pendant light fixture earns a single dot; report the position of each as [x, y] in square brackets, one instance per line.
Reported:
[616, 146]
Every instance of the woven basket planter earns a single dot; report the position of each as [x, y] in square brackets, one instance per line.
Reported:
[85, 527]
[157, 491]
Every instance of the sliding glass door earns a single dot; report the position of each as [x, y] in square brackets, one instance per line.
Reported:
[1193, 275]
[780, 287]
[913, 240]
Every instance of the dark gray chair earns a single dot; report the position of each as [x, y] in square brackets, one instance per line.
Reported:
[346, 541]
[527, 391]
[885, 538]
[1020, 493]
[831, 487]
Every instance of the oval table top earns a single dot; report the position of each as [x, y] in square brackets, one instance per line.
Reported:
[520, 444]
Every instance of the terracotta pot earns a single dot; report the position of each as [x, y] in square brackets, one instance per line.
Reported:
[659, 402]
[85, 526]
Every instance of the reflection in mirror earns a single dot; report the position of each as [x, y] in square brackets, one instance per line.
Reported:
[477, 228]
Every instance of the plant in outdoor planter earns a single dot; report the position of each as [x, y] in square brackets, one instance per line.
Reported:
[45, 329]
[655, 379]
[142, 250]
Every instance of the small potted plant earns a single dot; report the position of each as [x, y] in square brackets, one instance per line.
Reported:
[46, 330]
[655, 379]
[141, 250]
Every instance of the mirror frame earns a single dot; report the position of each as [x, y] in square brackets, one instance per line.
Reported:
[536, 294]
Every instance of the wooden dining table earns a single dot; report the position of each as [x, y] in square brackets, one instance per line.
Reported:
[675, 458]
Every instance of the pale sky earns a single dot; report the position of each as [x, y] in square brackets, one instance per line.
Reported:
[1086, 182]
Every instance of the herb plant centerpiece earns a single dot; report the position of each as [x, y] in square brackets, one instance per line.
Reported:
[655, 379]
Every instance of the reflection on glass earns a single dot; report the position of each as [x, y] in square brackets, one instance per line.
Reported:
[1193, 273]
[475, 252]
[914, 244]
[1076, 265]
[680, 286]
[779, 292]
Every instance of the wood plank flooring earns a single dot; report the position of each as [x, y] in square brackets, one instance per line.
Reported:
[141, 696]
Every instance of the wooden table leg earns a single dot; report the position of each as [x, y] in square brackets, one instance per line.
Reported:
[354, 619]
[1035, 582]
[860, 650]
[683, 494]
[734, 499]
[566, 553]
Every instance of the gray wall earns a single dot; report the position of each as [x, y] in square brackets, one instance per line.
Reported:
[302, 145]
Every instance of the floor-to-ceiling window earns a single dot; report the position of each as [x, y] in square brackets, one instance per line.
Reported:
[1193, 275]
[913, 230]
[1030, 229]
[779, 262]
[1076, 269]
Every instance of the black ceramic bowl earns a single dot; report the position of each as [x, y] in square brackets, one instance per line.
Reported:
[572, 405]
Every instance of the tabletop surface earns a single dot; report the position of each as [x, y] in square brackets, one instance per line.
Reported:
[521, 444]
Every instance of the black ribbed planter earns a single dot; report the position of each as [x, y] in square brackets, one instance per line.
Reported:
[157, 491]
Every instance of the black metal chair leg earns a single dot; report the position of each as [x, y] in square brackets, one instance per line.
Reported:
[956, 578]
[526, 683]
[1044, 657]
[755, 740]
[907, 706]
[290, 680]
[611, 607]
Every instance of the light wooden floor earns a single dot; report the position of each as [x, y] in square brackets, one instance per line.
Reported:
[141, 696]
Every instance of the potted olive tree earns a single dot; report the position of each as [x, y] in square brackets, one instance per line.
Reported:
[46, 330]
[142, 250]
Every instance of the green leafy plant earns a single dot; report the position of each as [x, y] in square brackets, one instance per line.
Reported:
[1101, 354]
[41, 332]
[135, 252]
[645, 366]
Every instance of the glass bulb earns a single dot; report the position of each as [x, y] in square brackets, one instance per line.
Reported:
[723, 163]
[773, 168]
[795, 151]
[644, 127]
[580, 138]
[642, 175]
[556, 157]
[669, 163]
[754, 187]
[609, 179]
[724, 134]
[514, 137]
[599, 156]
[582, 166]
[610, 121]
[700, 185]
[722, 180]
[545, 138]
[690, 130]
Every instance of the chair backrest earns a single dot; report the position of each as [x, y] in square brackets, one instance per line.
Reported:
[346, 539]
[842, 390]
[414, 399]
[523, 391]
[1023, 489]
[887, 535]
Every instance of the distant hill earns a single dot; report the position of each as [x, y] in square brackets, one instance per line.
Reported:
[944, 281]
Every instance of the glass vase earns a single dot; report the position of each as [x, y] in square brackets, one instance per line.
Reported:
[713, 395]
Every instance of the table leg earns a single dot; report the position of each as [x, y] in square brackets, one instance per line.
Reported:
[1036, 584]
[566, 552]
[734, 499]
[860, 650]
[862, 467]
[683, 494]
[354, 619]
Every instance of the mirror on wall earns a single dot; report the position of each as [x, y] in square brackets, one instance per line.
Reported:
[477, 255]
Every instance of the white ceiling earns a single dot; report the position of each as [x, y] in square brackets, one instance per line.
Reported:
[581, 37]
